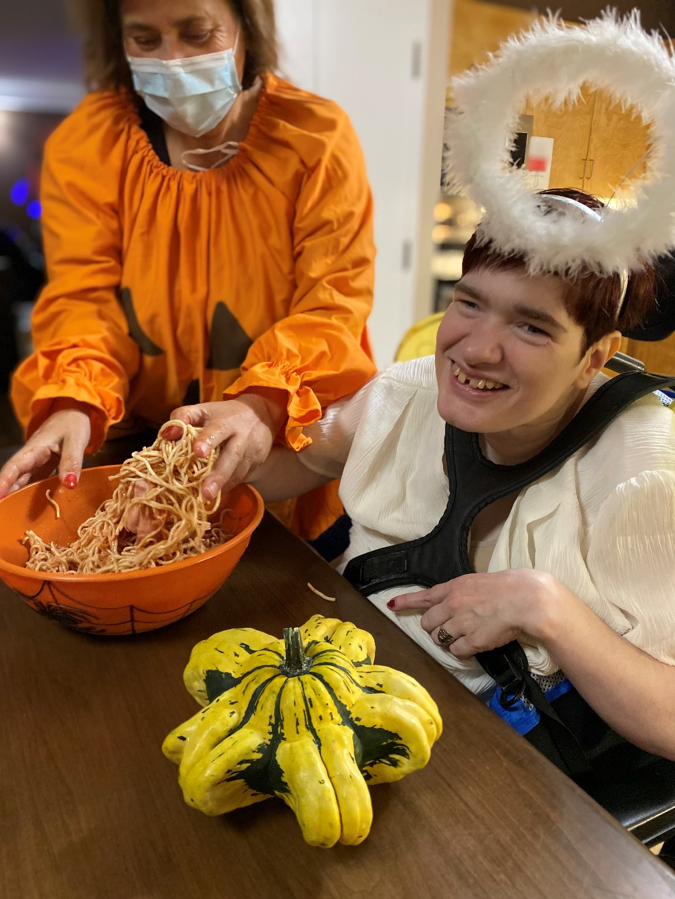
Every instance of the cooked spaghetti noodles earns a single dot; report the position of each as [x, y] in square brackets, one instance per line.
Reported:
[178, 515]
[50, 499]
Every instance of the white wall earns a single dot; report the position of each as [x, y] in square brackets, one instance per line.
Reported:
[385, 63]
[296, 24]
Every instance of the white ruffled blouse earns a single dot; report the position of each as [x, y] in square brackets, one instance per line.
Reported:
[603, 523]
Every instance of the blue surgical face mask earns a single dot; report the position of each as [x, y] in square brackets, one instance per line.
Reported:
[193, 94]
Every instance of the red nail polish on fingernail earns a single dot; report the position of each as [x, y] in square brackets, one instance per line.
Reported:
[70, 481]
[391, 604]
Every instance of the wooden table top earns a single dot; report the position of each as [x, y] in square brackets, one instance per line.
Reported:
[91, 809]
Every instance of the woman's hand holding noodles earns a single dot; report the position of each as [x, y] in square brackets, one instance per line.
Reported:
[244, 428]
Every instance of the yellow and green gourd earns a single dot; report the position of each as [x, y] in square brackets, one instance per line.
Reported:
[309, 719]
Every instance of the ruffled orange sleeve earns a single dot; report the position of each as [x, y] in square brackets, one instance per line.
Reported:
[319, 352]
[82, 349]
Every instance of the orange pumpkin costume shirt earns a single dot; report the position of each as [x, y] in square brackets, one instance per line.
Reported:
[258, 273]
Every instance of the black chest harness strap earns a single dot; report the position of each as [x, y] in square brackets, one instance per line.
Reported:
[476, 482]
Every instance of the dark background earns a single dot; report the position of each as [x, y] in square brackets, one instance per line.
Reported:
[37, 42]
[41, 79]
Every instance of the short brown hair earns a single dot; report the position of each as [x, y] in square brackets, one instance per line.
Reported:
[106, 65]
[591, 300]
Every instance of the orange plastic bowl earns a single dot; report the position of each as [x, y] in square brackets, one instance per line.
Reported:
[115, 604]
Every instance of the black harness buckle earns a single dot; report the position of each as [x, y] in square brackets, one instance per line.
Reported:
[512, 692]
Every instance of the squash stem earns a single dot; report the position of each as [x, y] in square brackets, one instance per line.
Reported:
[296, 662]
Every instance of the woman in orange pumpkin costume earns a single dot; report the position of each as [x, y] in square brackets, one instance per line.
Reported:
[235, 261]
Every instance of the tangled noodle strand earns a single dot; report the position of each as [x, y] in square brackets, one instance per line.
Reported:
[180, 515]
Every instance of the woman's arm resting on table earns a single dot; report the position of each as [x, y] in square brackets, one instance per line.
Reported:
[633, 692]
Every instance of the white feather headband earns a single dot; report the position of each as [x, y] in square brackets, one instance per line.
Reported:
[553, 59]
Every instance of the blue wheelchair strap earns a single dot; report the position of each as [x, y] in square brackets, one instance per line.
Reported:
[522, 716]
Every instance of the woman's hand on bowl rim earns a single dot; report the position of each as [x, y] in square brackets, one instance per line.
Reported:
[59, 441]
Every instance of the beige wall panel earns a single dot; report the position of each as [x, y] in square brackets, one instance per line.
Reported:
[478, 29]
[658, 357]
[618, 141]
[570, 128]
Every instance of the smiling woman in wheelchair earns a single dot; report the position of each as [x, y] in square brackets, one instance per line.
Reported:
[513, 508]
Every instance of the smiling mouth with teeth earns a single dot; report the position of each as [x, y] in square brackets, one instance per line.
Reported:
[482, 384]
